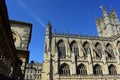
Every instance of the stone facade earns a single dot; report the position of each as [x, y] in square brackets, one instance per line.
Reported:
[33, 71]
[78, 57]
[21, 35]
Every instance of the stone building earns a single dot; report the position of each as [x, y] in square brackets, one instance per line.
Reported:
[78, 57]
[33, 71]
[21, 32]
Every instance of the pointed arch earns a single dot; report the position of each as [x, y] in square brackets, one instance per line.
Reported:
[74, 48]
[112, 69]
[81, 69]
[97, 69]
[110, 52]
[61, 49]
[64, 69]
[86, 48]
[98, 50]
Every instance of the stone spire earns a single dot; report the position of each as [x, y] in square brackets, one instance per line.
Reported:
[48, 29]
[104, 11]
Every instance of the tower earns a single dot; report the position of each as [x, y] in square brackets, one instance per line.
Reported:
[108, 25]
[47, 54]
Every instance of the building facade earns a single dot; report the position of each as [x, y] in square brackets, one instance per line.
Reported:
[78, 57]
[21, 32]
[33, 71]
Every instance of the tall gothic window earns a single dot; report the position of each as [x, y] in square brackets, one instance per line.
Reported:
[98, 50]
[86, 49]
[61, 50]
[110, 51]
[81, 70]
[64, 69]
[112, 70]
[97, 69]
[74, 48]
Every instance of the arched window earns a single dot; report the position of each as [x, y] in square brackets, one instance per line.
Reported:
[74, 48]
[86, 49]
[112, 70]
[118, 45]
[97, 69]
[61, 49]
[81, 70]
[110, 51]
[64, 69]
[98, 50]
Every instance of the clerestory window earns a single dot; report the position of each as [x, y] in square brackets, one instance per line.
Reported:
[75, 49]
[61, 50]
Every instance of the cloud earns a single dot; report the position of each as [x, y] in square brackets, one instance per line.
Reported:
[26, 7]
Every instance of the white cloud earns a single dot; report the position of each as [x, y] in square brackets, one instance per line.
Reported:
[26, 7]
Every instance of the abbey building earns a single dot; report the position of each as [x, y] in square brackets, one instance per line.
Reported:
[77, 57]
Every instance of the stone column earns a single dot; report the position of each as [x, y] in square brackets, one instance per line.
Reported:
[56, 63]
[90, 65]
[67, 48]
[105, 60]
[73, 64]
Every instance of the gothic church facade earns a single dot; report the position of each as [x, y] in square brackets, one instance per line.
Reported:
[77, 57]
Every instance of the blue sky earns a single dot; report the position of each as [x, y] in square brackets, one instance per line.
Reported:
[75, 16]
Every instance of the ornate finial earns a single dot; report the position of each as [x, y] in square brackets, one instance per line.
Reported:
[113, 10]
[97, 20]
[49, 22]
[67, 33]
[55, 30]
[103, 9]
[101, 6]
[90, 33]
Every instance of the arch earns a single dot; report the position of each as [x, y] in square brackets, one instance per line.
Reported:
[81, 69]
[98, 50]
[112, 69]
[97, 69]
[64, 69]
[61, 49]
[109, 46]
[98, 45]
[17, 38]
[86, 48]
[74, 48]
[110, 53]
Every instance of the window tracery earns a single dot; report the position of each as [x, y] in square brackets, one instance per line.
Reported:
[112, 70]
[98, 50]
[110, 51]
[86, 49]
[64, 69]
[61, 50]
[74, 48]
[81, 70]
[97, 70]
